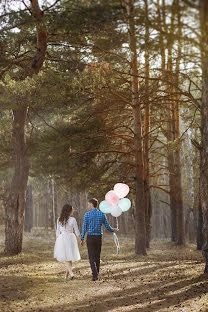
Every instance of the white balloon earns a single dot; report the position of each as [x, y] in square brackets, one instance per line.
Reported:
[116, 211]
[121, 190]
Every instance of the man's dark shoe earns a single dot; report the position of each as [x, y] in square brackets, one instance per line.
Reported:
[94, 278]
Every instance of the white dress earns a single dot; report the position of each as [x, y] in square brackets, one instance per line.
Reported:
[66, 247]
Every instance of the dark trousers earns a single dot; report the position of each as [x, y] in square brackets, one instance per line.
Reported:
[94, 243]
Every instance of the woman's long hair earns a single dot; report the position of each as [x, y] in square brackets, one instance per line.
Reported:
[65, 214]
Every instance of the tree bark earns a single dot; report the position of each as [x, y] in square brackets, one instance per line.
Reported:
[54, 205]
[204, 128]
[15, 204]
[168, 113]
[173, 129]
[147, 195]
[196, 202]
[199, 238]
[176, 120]
[140, 228]
[48, 210]
[179, 200]
[28, 224]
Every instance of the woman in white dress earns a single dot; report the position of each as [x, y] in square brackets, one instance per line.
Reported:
[66, 247]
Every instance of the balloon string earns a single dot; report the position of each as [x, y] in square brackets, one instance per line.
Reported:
[116, 241]
[116, 238]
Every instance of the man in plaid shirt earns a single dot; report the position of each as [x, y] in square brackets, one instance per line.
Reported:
[92, 225]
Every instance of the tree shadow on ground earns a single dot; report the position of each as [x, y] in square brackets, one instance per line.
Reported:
[14, 287]
[22, 258]
[141, 270]
[137, 300]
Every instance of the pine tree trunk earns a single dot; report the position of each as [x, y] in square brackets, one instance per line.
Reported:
[28, 224]
[168, 113]
[54, 207]
[148, 216]
[140, 208]
[173, 210]
[178, 196]
[179, 200]
[178, 181]
[48, 214]
[196, 205]
[123, 223]
[171, 170]
[15, 204]
[173, 133]
[204, 128]
[56, 203]
[199, 228]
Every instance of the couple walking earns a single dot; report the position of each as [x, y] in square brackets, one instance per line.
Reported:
[66, 247]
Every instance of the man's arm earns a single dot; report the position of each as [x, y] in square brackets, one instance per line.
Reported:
[107, 225]
[84, 227]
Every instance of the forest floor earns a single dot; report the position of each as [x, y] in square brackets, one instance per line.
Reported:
[168, 279]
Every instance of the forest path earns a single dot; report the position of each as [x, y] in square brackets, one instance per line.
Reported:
[168, 279]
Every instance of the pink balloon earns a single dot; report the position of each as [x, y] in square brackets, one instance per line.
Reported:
[121, 190]
[112, 198]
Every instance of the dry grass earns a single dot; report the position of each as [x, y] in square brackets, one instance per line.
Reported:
[168, 279]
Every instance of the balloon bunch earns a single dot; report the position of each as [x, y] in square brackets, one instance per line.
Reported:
[115, 201]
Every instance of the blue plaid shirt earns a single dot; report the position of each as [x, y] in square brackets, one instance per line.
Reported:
[93, 221]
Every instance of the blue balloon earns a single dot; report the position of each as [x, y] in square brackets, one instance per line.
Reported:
[105, 207]
[124, 204]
